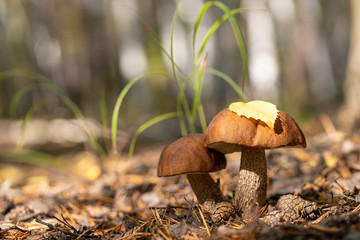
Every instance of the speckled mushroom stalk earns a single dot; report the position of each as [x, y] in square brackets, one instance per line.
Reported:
[206, 190]
[208, 193]
[252, 180]
[189, 156]
[231, 131]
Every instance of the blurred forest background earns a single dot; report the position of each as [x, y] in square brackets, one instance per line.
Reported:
[302, 56]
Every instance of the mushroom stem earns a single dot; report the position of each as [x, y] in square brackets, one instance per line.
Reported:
[208, 193]
[205, 188]
[251, 186]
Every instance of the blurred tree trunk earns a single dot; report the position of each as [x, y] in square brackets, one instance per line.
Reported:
[351, 109]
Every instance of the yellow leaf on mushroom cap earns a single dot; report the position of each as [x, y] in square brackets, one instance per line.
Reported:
[259, 110]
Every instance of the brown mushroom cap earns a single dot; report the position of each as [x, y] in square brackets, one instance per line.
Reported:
[228, 132]
[189, 155]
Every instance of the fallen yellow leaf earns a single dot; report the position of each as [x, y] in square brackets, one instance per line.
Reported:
[259, 110]
[86, 166]
[331, 160]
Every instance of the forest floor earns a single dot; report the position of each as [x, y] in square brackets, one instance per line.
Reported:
[129, 201]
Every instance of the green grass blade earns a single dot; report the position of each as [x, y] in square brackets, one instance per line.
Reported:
[18, 96]
[227, 79]
[46, 83]
[29, 114]
[183, 101]
[230, 15]
[35, 158]
[212, 30]
[182, 105]
[103, 109]
[202, 118]
[78, 114]
[104, 119]
[158, 42]
[197, 90]
[199, 19]
[119, 100]
[145, 126]
[239, 38]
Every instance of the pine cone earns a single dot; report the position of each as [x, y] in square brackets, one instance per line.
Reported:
[220, 211]
[295, 207]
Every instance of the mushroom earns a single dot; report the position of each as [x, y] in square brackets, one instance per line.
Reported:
[250, 128]
[189, 156]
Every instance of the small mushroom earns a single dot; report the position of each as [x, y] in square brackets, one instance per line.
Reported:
[250, 128]
[189, 156]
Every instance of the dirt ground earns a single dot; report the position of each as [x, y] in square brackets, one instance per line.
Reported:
[129, 201]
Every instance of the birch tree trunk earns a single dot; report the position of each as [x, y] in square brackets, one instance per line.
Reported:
[351, 110]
